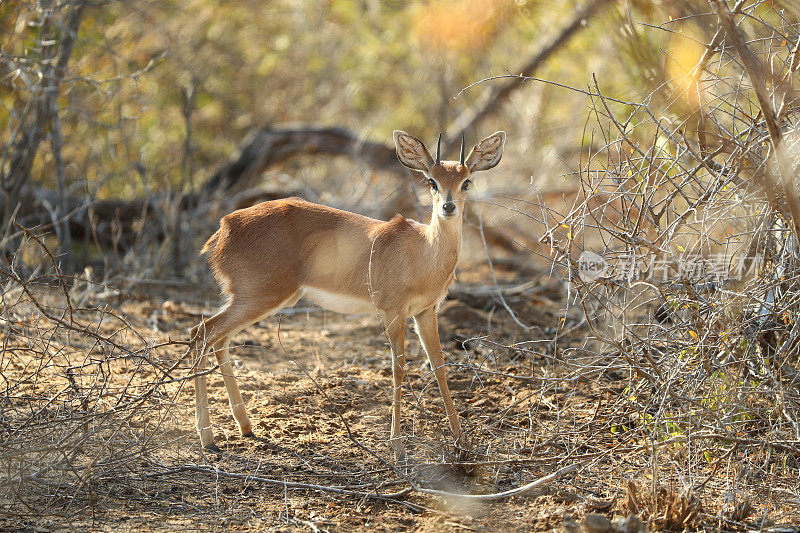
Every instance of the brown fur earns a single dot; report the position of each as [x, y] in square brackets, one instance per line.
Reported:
[293, 243]
[267, 256]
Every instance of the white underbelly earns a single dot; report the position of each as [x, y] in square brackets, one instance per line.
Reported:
[341, 303]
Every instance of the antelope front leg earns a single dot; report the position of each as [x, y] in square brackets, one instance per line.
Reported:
[239, 411]
[396, 330]
[428, 330]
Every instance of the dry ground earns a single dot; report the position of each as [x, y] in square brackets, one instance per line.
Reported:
[317, 389]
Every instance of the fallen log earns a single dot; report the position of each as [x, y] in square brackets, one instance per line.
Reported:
[119, 223]
[266, 147]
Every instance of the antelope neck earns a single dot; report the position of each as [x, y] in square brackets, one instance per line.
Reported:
[444, 237]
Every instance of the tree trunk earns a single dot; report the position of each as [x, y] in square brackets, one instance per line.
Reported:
[35, 115]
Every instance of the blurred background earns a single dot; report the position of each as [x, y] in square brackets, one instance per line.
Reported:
[118, 118]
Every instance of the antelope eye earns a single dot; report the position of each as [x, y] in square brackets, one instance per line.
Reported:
[466, 185]
[433, 185]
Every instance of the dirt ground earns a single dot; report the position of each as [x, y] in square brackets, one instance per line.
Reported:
[317, 388]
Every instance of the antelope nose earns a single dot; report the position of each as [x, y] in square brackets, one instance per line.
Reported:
[449, 207]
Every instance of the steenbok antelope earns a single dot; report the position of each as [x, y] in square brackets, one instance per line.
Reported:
[267, 256]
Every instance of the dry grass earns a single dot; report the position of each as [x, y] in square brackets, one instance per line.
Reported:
[97, 423]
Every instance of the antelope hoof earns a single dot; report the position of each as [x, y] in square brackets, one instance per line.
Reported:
[213, 448]
[245, 429]
[248, 434]
[462, 451]
[399, 447]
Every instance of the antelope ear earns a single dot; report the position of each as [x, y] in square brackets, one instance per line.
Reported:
[487, 153]
[412, 152]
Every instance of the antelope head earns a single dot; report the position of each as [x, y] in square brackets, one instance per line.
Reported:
[449, 180]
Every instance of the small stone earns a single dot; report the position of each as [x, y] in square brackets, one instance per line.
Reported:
[597, 523]
[628, 525]
[570, 526]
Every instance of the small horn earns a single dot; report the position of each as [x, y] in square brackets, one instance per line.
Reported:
[439, 150]
[461, 158]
